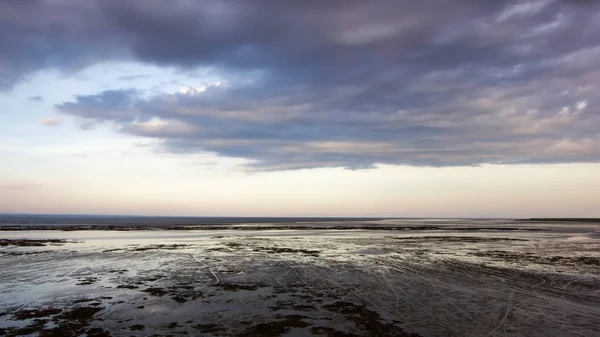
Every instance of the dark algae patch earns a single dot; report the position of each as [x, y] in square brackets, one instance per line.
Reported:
[155, 247]
[97, 332]
[468, 239]
[156, 291]
[83, 300]
[80, 314]
[330, 332]
[35, 313]
[35, 326]
[276, 328]
[209, 328]
[86, 281]
[280, 250]
[66, 323]
[136, 327]
[30, 243]
[237, 286]
[367, 321]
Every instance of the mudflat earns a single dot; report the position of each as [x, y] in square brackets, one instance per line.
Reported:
[459, 279]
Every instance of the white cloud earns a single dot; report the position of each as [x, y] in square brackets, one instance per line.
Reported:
[191, 90]
[522, 9]
[161, 126]
[50, 121]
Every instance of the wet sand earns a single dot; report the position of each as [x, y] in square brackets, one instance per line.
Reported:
[534, 280]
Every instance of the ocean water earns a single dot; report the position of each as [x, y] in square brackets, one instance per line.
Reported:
[66, 219]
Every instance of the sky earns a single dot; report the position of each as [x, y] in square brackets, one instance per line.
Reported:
[300, 108]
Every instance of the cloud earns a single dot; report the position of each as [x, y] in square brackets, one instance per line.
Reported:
[50, 121]
[36, 99]
[292, 129]
[109, 105]
[340, 83]
[133, 77]
[332, 41]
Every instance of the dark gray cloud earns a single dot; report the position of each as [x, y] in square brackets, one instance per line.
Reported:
[335, 83]
[36, 99]
[334, 41]
[108, 105]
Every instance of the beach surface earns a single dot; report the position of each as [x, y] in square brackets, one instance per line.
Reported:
[331, 278]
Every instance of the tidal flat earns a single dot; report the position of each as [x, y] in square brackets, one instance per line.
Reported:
[379, 278]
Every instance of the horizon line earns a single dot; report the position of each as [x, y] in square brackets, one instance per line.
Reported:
[288, 216]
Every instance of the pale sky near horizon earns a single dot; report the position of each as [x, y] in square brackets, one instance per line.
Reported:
[379, 108]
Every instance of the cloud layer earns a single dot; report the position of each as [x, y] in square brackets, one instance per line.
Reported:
[339, 83]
